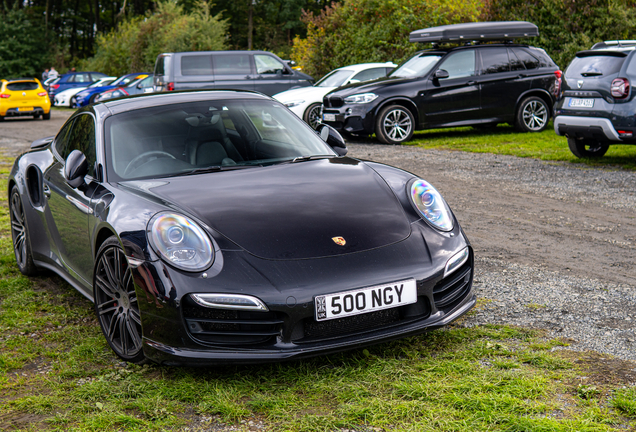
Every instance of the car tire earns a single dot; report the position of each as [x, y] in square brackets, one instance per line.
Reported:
[312, 115]
[394, 125]
[46, 116]
[92, 99]
[116, 302]
[1, 118]
[533, 115]
[20, 235]
[73, 102]
[587, 148]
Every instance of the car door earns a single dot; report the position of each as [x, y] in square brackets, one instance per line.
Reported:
[272, 75]
[453, 100]
[233, 71]
[68, 209]
[501, 82]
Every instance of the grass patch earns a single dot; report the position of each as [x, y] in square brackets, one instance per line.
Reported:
[57, 373]
[503, 139]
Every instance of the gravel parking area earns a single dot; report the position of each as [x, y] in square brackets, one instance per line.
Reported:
[555, 243]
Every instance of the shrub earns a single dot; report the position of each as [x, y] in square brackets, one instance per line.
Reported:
[361, 31]
[566, 26]
[135, 44]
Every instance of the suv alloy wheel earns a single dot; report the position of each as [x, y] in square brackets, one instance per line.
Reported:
[395, 125]
[533, 115]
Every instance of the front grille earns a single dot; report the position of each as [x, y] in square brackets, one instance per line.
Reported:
[314, 331]
[449, 292]
[230, 327]
[333, 102]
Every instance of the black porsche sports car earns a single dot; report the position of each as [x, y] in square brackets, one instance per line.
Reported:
[216, 226]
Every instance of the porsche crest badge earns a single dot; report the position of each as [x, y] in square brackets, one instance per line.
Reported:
[340, 241]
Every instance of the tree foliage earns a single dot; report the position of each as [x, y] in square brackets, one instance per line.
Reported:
[567, 26]
[135, 44]
[361, 31]
[23, 48]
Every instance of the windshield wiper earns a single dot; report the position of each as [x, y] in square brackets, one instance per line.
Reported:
[311, 157]
[211, 169]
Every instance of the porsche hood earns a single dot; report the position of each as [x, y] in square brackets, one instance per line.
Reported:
[297, 210]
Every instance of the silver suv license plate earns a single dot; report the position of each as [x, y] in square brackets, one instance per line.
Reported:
[585, 103]
[378, 297]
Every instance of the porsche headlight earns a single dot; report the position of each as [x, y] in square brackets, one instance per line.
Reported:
[180, 241]
[293, 103]
[431, 205]
[361, 98]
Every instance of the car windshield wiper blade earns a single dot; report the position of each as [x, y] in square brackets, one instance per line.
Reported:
[210, 169]
[310, 157]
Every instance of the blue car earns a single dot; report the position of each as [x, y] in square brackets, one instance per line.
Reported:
[73, 79]
[86, 97]
[140, 86]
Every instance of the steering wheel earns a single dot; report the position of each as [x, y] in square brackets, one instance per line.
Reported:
[133, 164]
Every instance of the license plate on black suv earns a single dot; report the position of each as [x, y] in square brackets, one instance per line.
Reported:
[578, 103]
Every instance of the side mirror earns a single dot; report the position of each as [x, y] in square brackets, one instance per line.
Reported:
[353, 81]
[332, 138]
[440, 74]
[75, 169]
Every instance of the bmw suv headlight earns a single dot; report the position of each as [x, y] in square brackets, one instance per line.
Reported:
[361, 98]
[180, 241]
[431, 205]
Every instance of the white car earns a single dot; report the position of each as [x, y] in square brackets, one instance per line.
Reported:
[64, 98]
[306, 102]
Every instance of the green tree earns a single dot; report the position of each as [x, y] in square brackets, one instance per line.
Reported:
[23, 48]
[566, 26]
[135, 44]
[361, 31]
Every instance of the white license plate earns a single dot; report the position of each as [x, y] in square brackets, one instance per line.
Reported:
[329, 117]
[356, 302]
[586, 103]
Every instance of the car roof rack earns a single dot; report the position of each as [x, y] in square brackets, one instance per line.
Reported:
[615, 44]
[480, 31]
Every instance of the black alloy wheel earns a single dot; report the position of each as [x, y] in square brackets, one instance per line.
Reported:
[587, 148]
[312, 115]
[533, 115]
[394, 125]
[20, 235]
[116, 302]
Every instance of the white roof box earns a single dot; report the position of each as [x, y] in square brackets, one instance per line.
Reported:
[482, 31]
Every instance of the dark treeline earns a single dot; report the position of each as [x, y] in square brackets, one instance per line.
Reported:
[66, 30]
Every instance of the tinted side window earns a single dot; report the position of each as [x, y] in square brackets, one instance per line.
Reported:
[232, 64]
[82, 138]
[460, 64]
[267, 65]
[370, 74]
[196, 65]
[494, 60]
[528, 60]
[515, 63]
[82, 78]
[159, 66]
[61, 140]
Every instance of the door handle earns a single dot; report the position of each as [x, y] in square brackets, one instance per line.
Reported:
[47, 191]
[471, 83]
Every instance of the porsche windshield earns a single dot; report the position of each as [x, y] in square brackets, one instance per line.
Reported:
[216, 135]
[416, 66]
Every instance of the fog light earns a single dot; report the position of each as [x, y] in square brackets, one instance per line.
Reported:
[456, 261]
[230, 301]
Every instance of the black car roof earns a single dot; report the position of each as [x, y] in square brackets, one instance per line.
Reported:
[154, 99]
[496, 30]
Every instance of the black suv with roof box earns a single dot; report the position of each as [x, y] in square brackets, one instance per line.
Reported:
[598, 106]
[478, 83]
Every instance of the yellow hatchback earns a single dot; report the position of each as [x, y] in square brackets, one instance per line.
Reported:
[24, 97]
